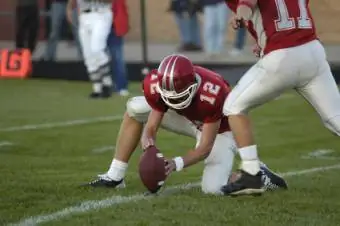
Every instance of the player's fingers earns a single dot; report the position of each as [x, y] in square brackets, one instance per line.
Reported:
[150, 142]
[241, 23]
[256, 50]
[147, 142]
[234, 23]
[168, 171]
[169, 167]
[144, 146]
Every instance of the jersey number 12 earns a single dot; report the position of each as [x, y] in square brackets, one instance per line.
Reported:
[285, 22]
[212, 89]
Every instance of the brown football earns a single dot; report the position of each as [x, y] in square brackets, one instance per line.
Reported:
[152, 169]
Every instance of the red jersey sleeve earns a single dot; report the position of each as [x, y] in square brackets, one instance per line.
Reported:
[251, 30]
[150, 92]
[232, 4]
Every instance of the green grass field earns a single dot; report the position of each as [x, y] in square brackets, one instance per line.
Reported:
[42, 165]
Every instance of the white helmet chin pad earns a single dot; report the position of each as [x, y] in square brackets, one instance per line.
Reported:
[178, 100]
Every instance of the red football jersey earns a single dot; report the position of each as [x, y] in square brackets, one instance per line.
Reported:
[280, 24]
[206, 106]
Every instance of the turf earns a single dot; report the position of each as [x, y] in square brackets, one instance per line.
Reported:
[42, 170]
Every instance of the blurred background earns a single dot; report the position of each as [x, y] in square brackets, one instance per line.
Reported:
[197, 28]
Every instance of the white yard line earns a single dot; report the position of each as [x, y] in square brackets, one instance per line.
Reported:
[311, 170]
[5, 144]
[103, 149]
[88, 206]
[62, 124]
[82, 121]
[320, 154]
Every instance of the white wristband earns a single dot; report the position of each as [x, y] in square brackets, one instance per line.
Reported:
[179, 163]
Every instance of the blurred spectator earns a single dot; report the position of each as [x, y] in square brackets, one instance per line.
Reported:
[57, 15]
[188, 24]
[215, 19]
[74, 26]
[241, 35]
[116, 46]
[27, 24]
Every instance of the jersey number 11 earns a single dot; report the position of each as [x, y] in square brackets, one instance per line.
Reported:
[286, 21]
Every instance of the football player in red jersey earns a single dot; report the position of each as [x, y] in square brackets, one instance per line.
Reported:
[188, 100]
[292, 57]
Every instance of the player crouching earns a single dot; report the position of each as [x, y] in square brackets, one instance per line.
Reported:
[187, 100]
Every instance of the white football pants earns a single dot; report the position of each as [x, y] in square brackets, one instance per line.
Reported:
[218, 165]
[303, 68]
[94, 28]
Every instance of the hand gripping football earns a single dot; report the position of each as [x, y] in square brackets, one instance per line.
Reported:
[152, 169]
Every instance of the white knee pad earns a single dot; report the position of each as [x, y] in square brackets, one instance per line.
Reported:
[218, 165]
[211, 189]
[138, 108]
[212, 183]
[333, 124]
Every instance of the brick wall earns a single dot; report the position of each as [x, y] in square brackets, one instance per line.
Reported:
[162, 28]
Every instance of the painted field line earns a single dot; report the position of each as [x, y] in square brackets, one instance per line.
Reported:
[88, 206]
[103, 149]
[5, 143]
[320, 154]
[62, 124]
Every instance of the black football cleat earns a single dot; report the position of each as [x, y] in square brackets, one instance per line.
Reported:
[246, 184]
[105, 181]
[106, 92]
[270, 180]
[94, 95]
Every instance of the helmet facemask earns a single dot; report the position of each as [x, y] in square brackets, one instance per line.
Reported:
[178, 100]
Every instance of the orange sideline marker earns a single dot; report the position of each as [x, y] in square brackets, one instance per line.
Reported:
[15, 63]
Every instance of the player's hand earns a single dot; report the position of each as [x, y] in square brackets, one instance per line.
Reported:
[256, 50]
[147, 142]
[170, 166]
[237, 22]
